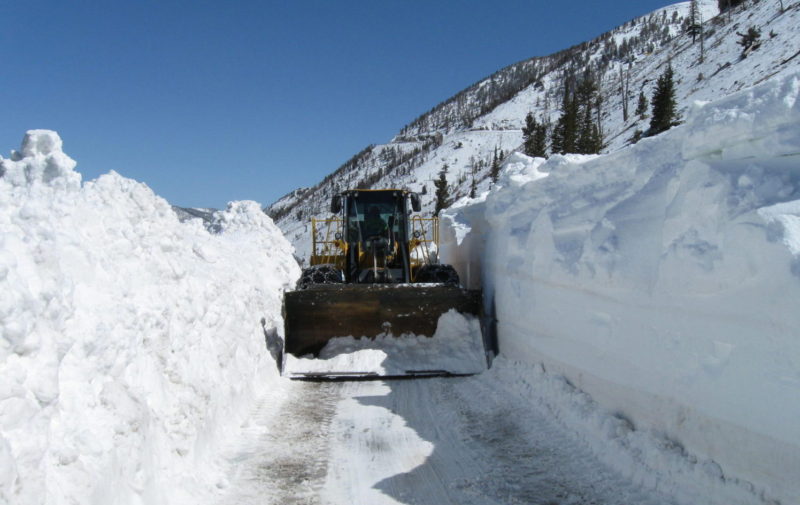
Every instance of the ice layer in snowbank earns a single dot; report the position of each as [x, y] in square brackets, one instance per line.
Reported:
[130, 343]
[663, 279]
[456, 348]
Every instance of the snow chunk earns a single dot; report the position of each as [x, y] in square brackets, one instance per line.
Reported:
[784, 221]
[40, 160]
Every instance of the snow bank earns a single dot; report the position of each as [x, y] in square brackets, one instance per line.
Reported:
[131, 344]
[663, 280]
[456, 347]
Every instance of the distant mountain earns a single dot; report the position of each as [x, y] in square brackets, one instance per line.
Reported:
[465, 132]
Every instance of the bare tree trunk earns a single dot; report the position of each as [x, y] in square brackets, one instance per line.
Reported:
[702, 39]
[624, 91]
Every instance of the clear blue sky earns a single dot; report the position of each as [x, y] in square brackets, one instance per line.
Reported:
[212, 101]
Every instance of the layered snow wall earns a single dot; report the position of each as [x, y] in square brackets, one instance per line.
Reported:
[663, 279]
[131, 344]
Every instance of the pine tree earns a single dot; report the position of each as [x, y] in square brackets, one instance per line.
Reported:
[494, 173]
[728, 4]
[664, 113]
[540, 141]
[565, 133]
[442, 191]
[473, 170]
[534, 137]
[641, 108]
[587, 96]
[693, 27]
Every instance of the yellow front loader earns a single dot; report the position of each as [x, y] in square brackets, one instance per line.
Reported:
[373, 271]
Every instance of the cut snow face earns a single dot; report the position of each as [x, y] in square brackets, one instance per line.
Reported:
[131, 344]
[663, 279]
[456, 348]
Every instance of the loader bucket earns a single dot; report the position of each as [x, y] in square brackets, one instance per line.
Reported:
[315, 316]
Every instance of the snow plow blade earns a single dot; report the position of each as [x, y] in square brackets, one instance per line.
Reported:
[314, 316]
[365, 376]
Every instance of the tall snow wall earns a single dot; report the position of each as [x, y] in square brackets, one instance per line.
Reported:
[131, 344]
[663, 279]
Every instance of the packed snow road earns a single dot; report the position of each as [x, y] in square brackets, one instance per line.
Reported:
[472, 440]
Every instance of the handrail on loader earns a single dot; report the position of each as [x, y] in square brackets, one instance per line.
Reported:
[328, 245]
[420, 240]
[329, 250]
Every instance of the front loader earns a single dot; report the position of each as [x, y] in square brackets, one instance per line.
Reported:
[373, 272]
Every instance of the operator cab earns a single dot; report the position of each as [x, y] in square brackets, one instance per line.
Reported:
[376, 231]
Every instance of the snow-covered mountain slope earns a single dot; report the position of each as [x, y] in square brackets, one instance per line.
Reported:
[131, 344]
[663, 279]
[465, 131]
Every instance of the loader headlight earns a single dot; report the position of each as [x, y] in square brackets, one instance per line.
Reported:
[417, 234]
[338, 235]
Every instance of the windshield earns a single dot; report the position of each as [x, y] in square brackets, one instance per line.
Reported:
[375, 215]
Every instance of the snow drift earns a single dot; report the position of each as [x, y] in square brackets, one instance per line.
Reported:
[663, 280]
[131, 344]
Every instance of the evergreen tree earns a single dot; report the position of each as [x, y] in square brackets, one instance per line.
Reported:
[641, 108]
[579, 130]
[587, 96]
[565, 133]
[694, 26]
[534, 137]
[442, 191]
[664, 112]
[540, 141]
[494, 173]
[473, 170]
[728, 4]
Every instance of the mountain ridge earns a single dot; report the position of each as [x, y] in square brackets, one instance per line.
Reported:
[464, 131]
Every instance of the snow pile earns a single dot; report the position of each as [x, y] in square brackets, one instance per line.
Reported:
[456, 347]
[663, 280]
[131, 345]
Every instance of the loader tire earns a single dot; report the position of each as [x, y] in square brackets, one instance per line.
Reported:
[440, 274]
[319, 274]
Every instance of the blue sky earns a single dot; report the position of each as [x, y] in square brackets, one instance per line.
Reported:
[208, 102]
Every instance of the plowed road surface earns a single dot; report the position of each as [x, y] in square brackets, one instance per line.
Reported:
[436, 441]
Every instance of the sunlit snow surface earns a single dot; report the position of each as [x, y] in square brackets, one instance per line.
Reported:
[131, 344]
[455, 348]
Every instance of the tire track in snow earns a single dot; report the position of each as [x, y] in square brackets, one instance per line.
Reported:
[283, 456]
